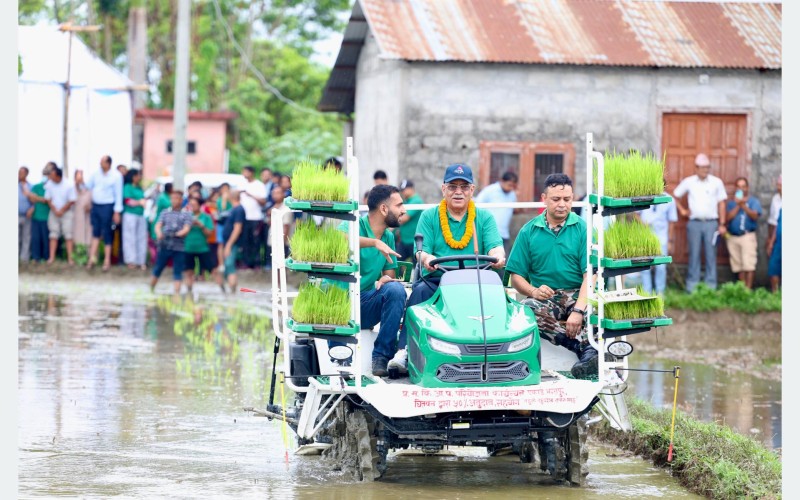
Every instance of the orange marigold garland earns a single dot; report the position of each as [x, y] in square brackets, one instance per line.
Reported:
[448, 235]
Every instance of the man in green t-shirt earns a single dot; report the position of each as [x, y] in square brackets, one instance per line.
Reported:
[455, 227]
[40, 234]
[548, 267]
[408, 224]
[383, 298]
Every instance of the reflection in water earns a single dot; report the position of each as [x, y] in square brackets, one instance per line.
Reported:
[747, 404]
[144, 399]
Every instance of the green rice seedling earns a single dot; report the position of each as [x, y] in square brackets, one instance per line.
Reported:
[321, 306]
[631, 175]
[652, 307]
[629, 238]
[310, 243]
[313, 182]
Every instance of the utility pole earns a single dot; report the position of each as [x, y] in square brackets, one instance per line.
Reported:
[70, 28]
[181, 111]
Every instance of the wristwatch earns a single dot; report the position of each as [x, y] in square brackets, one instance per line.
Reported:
[577, 310]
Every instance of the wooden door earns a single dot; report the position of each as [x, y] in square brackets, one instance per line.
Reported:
[724, 139]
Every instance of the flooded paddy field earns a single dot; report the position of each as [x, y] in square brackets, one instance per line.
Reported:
[123, 393]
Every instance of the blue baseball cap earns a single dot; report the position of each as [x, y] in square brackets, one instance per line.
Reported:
[458, 171]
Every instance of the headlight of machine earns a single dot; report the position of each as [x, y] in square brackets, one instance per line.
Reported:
[520, 344]
[443, 347]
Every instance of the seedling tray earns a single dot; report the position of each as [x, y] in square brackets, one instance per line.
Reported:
[323, 379]
[316, 329]
[322, 267]
[645, 261]
[322, 206]
[635, 201]
[627, 324]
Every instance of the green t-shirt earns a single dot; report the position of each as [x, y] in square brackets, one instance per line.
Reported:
[41, 210]
[408, 229]
[135, 193]
[546, 258]
[373, 262]
[196, 241]
[433, 236]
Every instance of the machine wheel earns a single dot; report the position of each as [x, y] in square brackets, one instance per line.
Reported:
[564, 454]
[357, 443]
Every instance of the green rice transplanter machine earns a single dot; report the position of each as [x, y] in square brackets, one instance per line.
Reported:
[478, 373]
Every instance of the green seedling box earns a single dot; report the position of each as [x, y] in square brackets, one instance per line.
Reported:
[322, 379]
[626, 324]
[322, 267]
[350, 329]
[636, 201]
[652, 260]
[322, 206]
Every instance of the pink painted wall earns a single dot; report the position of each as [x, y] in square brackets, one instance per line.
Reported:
[209, 138]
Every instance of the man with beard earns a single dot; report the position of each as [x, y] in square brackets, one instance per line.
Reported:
[548, 266]
[382, 296]
[450, 229]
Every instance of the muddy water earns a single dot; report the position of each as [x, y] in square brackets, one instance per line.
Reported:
[121, 394]
[748, 404]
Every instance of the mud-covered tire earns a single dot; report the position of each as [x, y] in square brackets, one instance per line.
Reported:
[577, 452]
[356, 443]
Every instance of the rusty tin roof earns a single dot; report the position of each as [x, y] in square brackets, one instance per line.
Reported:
[649, 33]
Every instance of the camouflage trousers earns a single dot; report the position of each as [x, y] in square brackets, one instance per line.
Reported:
[551, 316]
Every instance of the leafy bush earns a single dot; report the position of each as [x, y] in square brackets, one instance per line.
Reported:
[732, 295]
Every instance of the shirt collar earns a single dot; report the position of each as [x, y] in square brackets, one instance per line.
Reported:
[541, 220]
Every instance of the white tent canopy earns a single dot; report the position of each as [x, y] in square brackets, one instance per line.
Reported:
[100, 105]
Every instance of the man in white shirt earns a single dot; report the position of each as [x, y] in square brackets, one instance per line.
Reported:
[706, 215]
[502, 191]
[60, 196]
[106, 187]
[253, 197]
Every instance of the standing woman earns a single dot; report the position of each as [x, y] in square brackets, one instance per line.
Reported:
[224, 207]
[82, 225]
[134, 224]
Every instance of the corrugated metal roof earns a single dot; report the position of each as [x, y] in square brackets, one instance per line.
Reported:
[651, 33]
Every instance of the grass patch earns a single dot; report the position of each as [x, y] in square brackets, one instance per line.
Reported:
[627, 238]
[321, 306]
[310, 243]
[650, 308]
[631, 175]
[313, 182]
[733, 295]
[709, 459]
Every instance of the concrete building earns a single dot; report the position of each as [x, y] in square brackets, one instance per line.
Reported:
[205, 137]
[515, 85]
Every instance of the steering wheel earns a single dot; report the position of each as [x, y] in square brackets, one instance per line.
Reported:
[462, 260]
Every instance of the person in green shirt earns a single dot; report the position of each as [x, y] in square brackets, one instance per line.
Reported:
[454, 227]
[134, 225]
[383, 298]
[40, 235]
[548, 267]
[408, 224]
[198, 253]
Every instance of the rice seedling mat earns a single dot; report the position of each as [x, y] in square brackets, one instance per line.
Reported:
[628, 295]
[320, 329]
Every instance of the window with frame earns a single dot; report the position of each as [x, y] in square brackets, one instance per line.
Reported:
[531, 161]
[191, 147]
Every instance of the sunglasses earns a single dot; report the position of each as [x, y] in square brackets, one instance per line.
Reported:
[458, 187]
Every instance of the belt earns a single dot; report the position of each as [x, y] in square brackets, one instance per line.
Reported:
[705, 220]
[741, 234]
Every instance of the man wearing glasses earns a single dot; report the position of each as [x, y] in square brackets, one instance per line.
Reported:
[450, 229]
